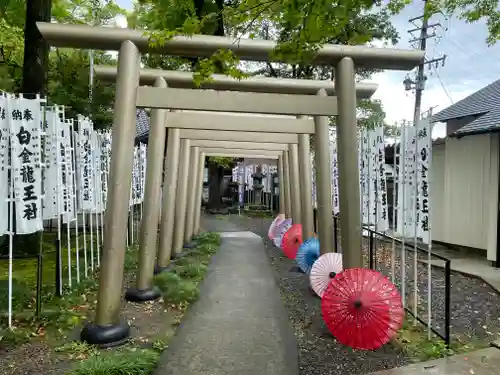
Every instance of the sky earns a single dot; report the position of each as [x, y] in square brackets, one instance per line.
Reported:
[470, 65]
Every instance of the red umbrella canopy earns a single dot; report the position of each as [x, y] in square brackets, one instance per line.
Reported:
[362, 308]
[292, 240]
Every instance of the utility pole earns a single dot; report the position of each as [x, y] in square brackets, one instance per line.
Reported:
[418, 84]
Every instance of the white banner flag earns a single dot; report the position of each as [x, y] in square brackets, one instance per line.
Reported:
[96, 170]
[135, 188]
[424, 159]
[266, 177]
[84, 152]
[406, 187]
[272, 173]
[364, 159]
[105, 162]
[67, 170]
[234, 174]
[25, 123]
[382, 215]
[143, 160]
[52, 165]
[248, 176]
[4, 166]
[335, 177]
[313, 182]
[241, 180]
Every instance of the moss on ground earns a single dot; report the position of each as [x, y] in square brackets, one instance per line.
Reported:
[179, 287]
[25, 273]
[414, 340]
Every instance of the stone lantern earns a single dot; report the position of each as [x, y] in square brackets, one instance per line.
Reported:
[257, 186]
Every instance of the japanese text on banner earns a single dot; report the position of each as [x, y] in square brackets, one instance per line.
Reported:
[25, 124]
[86, 183]
[424, 154]
[52, 166]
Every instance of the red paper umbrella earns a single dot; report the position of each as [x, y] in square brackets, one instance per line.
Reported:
[362, 308]
[292, 240]
[273, 228]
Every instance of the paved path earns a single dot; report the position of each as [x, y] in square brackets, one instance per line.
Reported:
[480, 362]
[239, 325]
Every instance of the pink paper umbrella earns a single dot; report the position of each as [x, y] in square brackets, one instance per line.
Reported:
[274, 226]
[282, 229]
[326, 267]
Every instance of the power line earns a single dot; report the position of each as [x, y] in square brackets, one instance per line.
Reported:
[426, 31]
[443, 86]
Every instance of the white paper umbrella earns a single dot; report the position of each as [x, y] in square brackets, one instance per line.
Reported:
[274, 225]
[282, 229]
[326, 267]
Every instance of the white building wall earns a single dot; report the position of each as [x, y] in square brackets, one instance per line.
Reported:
[465, 192]
[437, 191]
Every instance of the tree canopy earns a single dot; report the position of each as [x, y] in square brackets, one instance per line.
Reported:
[68, 70]
[299, 27]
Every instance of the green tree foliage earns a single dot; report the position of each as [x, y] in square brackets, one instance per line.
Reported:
[11, 55]
[308, 24]
[69, 86]
[68, 70]
[28, 66]
[468, 10]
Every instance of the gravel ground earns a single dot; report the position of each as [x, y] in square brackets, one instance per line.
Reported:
[319, 352]
[475, 307]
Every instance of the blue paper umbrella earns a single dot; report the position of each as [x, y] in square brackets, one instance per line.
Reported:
[307, 254]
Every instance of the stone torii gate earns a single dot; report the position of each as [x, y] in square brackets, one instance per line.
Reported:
[275, 138]
[198, 120]
[107, 327]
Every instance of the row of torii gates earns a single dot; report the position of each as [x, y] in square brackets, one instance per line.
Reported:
[195, 134]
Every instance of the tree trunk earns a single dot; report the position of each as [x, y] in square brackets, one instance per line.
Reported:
[215, 177]
[36, 50]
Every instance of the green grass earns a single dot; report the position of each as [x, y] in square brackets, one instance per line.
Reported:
[258, 213]
[58, 314]
[179, 288]
[414, 340]
[25, 272]
[128, 362]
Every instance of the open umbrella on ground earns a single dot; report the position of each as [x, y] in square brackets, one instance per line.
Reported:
[326, 267]
[308, 253]
[362, 308]
[274, 226]
[292, 240]
[280, 231]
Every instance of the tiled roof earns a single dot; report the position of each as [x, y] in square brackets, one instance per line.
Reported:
[488, 122]
[481, 101]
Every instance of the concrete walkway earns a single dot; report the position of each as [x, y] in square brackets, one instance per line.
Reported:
[470, 265]
[239, 325]
[480, 362]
